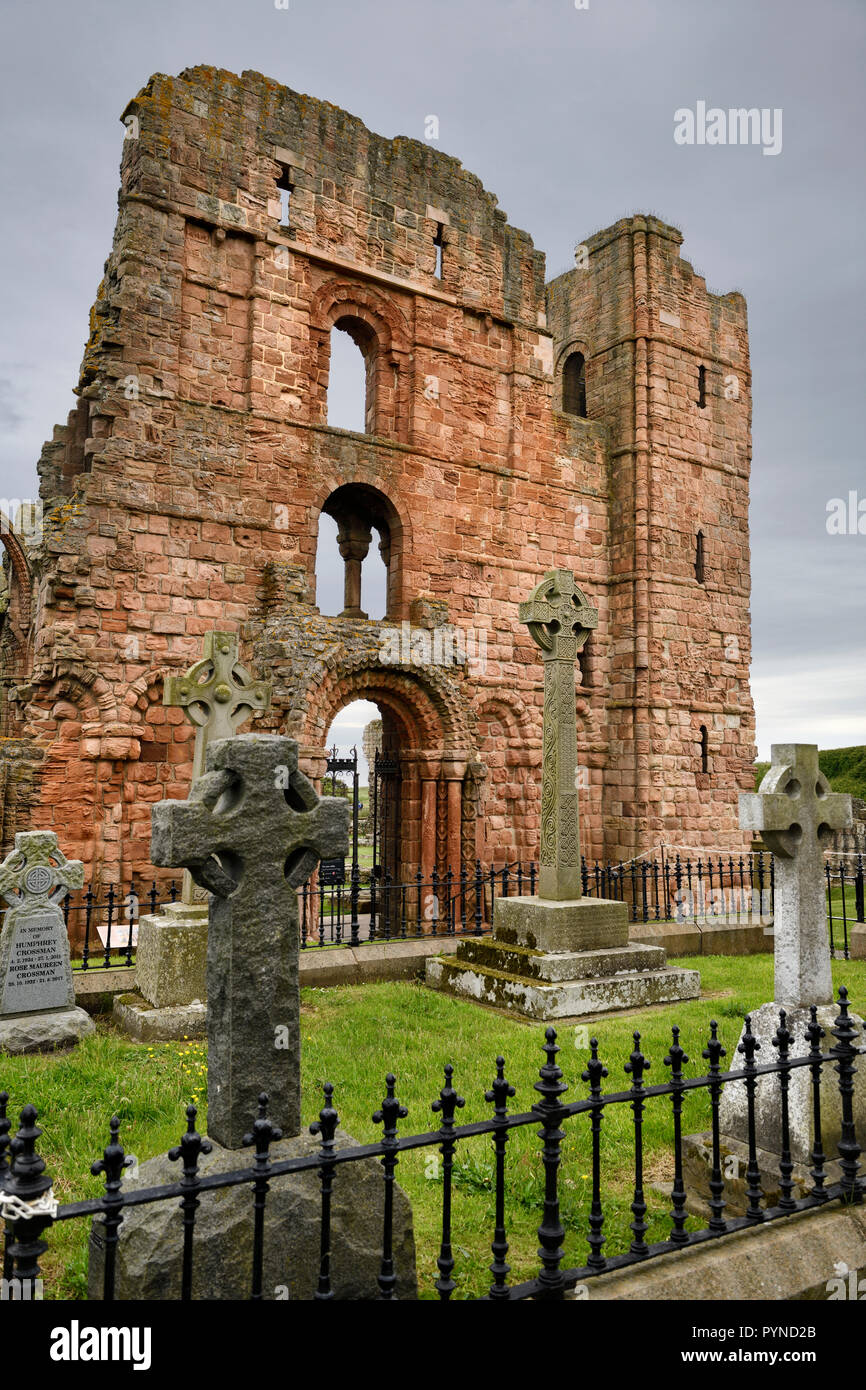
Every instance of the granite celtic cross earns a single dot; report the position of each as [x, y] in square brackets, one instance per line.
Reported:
[252, 830]
[796, 813]
[559, 619]
[218, 694]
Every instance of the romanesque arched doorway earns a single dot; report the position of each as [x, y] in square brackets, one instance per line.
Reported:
[426, 817]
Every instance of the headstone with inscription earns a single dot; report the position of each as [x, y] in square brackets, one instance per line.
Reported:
[562, 953]
[37, 996]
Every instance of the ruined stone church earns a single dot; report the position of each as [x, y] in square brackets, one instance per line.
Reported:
[599, 422]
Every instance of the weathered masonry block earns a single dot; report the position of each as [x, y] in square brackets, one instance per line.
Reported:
[511, 427]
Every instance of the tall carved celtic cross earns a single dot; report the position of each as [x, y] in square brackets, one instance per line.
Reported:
[796, 813]
[217, 694]
[559, 619]
[252, 830]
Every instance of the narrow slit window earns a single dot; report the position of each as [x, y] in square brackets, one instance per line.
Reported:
[286, 188]
[705, 749]
[574, 385]
[702, 387]
[439, 243]
[700, 559]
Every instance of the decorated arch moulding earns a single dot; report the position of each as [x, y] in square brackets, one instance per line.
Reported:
[342, 298]
[435, 716]
[78, 682]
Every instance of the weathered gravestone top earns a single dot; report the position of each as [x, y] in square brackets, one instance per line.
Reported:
[251, 833]
[797, 815]
[217, 694]
[559, 619]
[35, 969]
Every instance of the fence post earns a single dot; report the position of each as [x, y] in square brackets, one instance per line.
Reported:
[551, 1232]
[391, 1111]
[595, 1073]
[844, 1052]
[500, 1094]
[448, 1102]
[326, 1127]
[28, 1204]
[676, 1059]
[754, 1192]
[111, 1165]
[712, 1053]
[354, 894]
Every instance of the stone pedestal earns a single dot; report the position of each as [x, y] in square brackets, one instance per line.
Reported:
[44, 1031]
[151, 1237]
[561, 959]
[170, 975]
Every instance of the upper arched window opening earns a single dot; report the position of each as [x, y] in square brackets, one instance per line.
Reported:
[351, 377]
[356, 577]
[574, 385]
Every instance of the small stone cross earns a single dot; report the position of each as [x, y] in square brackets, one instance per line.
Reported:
[559, 619]
[37, 870]
[796, 813]
[252, 830]
[218, 695]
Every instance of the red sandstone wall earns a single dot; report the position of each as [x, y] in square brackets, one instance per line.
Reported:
[194, 486]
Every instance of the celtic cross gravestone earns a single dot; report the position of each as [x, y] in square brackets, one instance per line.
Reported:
[560, 953]
[217, 694]
[559, 621]
[252, 830]
[796, 813]
[37, 995]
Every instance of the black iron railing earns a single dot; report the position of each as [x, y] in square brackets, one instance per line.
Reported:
[356, 909]
[27, 1205]
[101, 925]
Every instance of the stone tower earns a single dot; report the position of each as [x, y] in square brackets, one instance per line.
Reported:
[599, 424]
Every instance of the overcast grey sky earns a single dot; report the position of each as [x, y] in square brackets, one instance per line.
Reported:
[568, 116]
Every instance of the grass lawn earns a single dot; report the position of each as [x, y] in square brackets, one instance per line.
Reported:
[351, 1037]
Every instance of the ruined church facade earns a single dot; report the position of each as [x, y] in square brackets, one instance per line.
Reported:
[600, 422]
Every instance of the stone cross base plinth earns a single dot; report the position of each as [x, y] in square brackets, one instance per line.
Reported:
[150, 1251]
[176, 1023]
[733, 1118]
[44, 1032]
[170, 975]
[550, 960]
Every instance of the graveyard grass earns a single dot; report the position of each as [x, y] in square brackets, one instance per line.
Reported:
[351, 1037]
